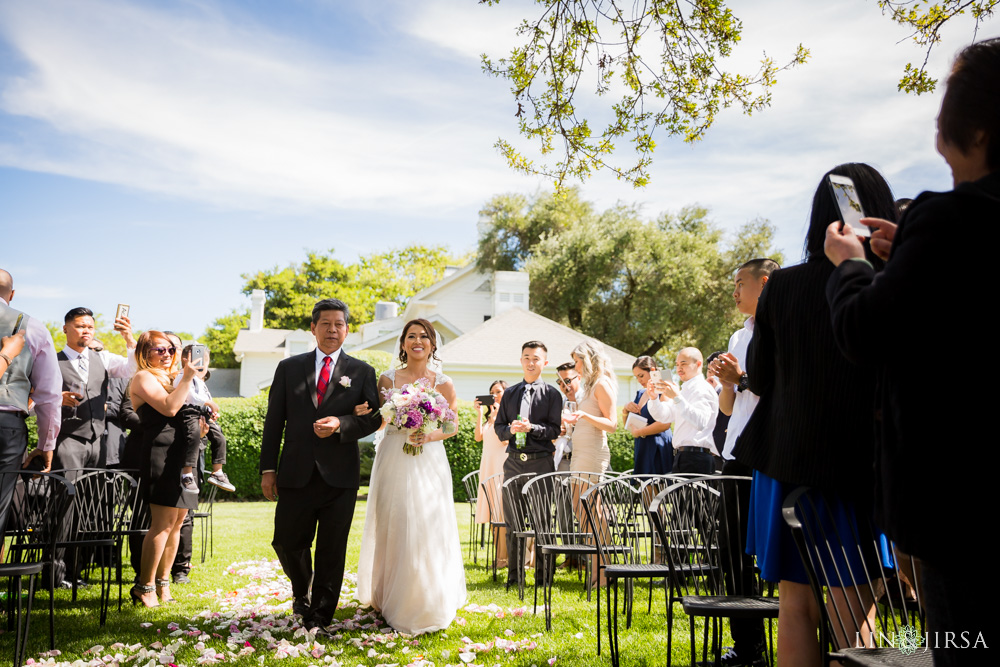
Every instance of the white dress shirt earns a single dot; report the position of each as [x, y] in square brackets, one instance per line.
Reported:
[198, 394]
[320, 356]
[746, 400]
[692, 413]
[118, 366]
[46, 381]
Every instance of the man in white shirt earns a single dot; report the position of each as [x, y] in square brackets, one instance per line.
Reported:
[33, 371]
[692, 408]
[85, 375]
[569, 385]
[738, 401]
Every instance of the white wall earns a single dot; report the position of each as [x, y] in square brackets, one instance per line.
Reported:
[256, 368]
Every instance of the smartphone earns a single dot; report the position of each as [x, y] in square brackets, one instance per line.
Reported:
[485, 399]
[846, 196]
[654, 376]
[17, 325]
[198, 354]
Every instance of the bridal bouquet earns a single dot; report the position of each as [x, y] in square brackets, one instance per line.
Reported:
[417, 408]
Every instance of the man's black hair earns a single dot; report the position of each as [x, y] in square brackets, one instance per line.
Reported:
[532, 344]
[330, 304]
[79, 311]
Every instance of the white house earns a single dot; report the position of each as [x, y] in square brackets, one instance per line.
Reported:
[481, 320]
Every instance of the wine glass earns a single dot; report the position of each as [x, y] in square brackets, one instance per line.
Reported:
[77, 387]
[569, 407]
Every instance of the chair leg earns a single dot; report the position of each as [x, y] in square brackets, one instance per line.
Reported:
[613, 623]
[52, 606]
[670, 625]
[598, 611]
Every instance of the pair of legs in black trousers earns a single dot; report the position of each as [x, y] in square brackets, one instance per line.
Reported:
[512, 467]
[300, 512]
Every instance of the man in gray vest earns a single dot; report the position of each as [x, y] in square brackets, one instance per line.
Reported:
[85, 375]
[34, 371]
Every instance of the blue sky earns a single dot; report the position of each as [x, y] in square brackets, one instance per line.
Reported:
[151, 152]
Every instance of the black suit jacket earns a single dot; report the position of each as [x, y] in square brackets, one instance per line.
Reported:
[545, 416]
[914, 323]
[814, 423]
[292, 410]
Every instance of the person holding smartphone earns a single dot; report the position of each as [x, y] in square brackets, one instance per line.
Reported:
[492, 460]
[199, 412]
[654, 443]
[12, 346]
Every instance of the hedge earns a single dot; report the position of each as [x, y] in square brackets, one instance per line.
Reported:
[242, 422]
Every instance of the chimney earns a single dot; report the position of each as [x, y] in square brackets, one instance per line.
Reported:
[386, 310]
[257, 310]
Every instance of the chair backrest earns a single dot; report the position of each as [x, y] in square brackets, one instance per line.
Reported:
[695, 519]
[616, 517]
[101, 503]
[555, 508]
[39, 504]
[518, 519]
[471, 484]
[842, 549]
[491, 488]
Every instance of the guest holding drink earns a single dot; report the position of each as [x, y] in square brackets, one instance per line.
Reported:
[595, 416]
[157, 402]
[494, 455]
[654, 449]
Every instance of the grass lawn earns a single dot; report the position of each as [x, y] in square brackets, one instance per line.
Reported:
[251, 601]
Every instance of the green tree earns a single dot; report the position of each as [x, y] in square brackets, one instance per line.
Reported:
[511, 225]
[679, 91]
[645, 287]
[221, 335]
[292, 291]
[926, 21]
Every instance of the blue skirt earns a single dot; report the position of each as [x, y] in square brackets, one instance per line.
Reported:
[770, 539]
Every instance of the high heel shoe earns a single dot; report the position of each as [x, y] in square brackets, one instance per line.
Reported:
[161, 584]
[136, 593]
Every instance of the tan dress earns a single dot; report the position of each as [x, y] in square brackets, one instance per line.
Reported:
[590, 444]
[494, 455]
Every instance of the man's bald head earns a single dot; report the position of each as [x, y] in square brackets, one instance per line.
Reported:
[6, 286]
[689, 362]
[692, 353]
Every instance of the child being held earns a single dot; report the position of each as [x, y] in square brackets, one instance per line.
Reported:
[199, 411]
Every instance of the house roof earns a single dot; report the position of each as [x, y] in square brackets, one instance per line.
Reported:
[439, 323]
[265, 340]
[497, 342]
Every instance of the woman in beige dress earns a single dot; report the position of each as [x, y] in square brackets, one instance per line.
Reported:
[594, 418]
[494, 455]
[595, 415]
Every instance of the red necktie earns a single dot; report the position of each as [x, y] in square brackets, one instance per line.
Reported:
[324, 380]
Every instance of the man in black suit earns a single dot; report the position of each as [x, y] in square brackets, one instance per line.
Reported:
[532, 408]
[315, 482]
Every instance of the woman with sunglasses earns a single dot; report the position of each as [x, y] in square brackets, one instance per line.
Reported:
[157, 403]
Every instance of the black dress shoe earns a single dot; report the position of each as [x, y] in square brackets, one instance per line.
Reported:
[300, 607]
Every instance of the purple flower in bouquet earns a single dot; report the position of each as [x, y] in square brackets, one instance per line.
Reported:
[414, 419]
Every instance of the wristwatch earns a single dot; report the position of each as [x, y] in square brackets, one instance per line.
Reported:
[744, 382]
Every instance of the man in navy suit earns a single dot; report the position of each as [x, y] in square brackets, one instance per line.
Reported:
[316, 477]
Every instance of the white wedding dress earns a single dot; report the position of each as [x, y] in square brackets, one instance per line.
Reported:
[411, 568]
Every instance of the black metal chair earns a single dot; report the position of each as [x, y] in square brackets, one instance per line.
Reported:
[471, 484]
[39, 504]
[618, 520]
[204, 515]
[692, 519]
[519, 525]
[491, 487]
[100, 504]
[553, 502]
[866, 591]
[135, 525]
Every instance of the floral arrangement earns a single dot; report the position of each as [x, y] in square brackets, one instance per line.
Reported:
[417, 408]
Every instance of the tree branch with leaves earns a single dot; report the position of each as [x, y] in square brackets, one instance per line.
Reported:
[679, 92]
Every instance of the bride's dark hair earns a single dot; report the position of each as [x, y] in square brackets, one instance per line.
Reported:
[429, 328]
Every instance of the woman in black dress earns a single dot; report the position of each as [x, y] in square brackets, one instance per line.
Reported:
[157, 403]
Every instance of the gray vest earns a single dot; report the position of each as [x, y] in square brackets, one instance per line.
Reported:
[88, 425]
[15, 384]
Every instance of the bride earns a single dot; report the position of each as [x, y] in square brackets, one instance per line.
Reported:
[410, 568]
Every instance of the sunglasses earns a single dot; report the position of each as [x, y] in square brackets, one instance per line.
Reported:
[567, 381]
[164, 350]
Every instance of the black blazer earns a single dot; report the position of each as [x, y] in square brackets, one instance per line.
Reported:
[914, 323]
[292, 410]
[814, 422]
[546, 418]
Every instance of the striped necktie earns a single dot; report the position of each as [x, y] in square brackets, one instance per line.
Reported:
[324, 380]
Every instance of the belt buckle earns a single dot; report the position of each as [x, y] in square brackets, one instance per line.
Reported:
[523, 456]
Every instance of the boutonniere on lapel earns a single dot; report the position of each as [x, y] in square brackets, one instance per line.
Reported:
[345, 381]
